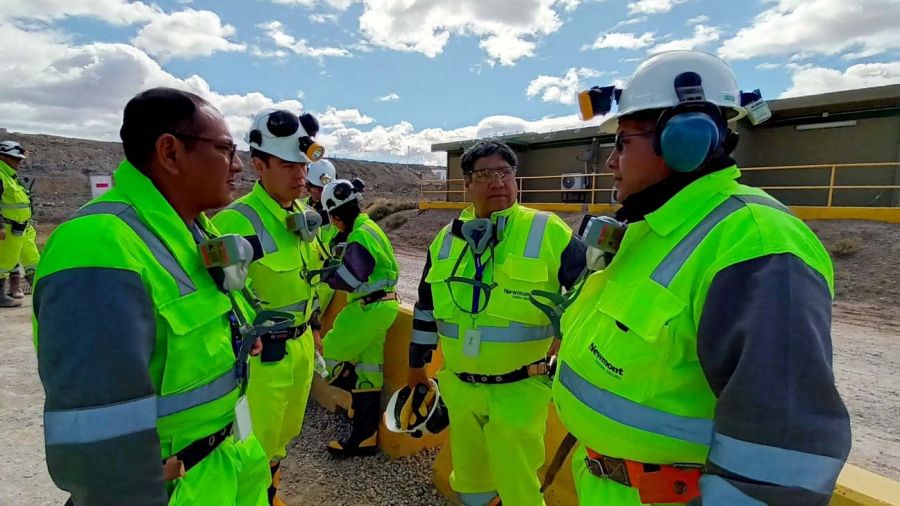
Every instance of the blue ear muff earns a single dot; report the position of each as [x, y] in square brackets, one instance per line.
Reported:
[688, 140]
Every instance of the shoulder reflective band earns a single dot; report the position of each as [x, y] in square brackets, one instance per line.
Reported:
[159, 250]
[515, 333]
[633, 414]
[380, 240]
[265, 238]
[536, 235]
[446, 245]
[675, 260]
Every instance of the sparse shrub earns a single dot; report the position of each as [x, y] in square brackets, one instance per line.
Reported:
[382, 207]
[844, 248]
[394, 221]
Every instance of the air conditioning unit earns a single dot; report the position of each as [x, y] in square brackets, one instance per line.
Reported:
[574, 182]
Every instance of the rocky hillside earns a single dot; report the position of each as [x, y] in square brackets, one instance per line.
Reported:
[61, 167]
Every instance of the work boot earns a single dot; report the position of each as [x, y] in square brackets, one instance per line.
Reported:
[6, 300]
[15, 285]
[29, 281]
[363, 438]
[274, 498]
[344, 378]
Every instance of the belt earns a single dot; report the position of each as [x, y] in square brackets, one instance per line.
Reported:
[672, 483]
[177, 465]
[539, 368]
[378, 296]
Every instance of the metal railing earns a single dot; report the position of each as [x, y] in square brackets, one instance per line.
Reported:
[831, 178]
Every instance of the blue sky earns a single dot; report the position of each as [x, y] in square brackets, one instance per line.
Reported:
[388, 81]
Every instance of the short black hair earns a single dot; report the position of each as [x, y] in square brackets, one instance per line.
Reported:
[262, 155]
[347, 212]
[484, 149]
[152, 113]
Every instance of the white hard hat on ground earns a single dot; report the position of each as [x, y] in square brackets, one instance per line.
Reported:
[417, 411]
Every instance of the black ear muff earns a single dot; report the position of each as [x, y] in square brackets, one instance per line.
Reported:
[689, 135]
[310, 124]
[282, 123]
[256, 137]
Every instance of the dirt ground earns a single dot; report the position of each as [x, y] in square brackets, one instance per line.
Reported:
[866, 336]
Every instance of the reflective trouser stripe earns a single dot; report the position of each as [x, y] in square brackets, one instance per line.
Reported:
[157, 248]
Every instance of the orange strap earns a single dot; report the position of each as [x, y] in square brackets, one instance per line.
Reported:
[673, 483]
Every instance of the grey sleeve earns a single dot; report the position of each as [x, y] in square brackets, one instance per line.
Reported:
[356, 267]
[572, 262]
[96, 334]
[782, 433]
[424, 335]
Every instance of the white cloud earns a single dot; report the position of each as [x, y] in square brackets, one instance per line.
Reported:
[391, 97]
[630, 21]
[560, 90]
[769, 66]
[186, 34]
[809, 80]
[117, 12]
[652, 6]
[702, 36]
[276, 31]
[340, 5]
[858, 29]
[570, 5]
[51, 72]
[703, 18]
[620, 40]
[337, 118]
[508, 30]
[323, 18]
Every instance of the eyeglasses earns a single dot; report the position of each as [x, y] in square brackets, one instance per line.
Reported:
[504, 174]
[620, 145]
[226, 146]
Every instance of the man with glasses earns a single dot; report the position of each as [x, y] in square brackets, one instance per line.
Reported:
[696, 368]
[284, 230]
[136, 331]
[474, 299]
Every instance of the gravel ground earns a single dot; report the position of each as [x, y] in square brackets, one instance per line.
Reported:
[312, 477]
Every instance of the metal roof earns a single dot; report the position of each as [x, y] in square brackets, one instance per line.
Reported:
[819, 106]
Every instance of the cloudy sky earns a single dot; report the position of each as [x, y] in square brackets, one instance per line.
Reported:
[387, 78]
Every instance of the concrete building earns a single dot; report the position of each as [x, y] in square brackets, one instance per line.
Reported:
[845, 127]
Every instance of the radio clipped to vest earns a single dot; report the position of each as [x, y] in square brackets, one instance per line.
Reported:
[228, 258]
[602, 235]
[305, 224]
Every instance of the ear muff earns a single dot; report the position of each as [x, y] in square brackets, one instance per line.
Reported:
[689, 135]
[256, 137]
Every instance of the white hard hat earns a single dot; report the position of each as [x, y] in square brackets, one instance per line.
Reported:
[12, 149]
[320, 173]
[340, 192]
[283, 134]
[652, 85]
[417, 411]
